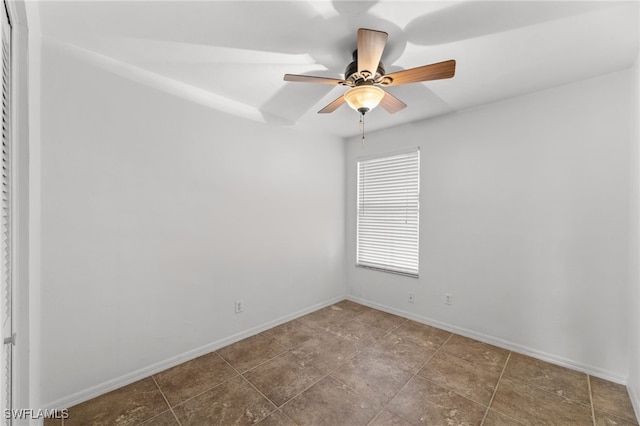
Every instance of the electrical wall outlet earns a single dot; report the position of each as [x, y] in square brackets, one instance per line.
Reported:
[239, 306]
[448, 299]
[412, 298]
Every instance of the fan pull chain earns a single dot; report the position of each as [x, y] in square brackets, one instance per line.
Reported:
[362, 128]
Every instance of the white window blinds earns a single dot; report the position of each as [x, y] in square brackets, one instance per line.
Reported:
[388, 212]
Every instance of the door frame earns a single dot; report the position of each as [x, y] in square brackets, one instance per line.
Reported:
[23, 395]
[6, 245]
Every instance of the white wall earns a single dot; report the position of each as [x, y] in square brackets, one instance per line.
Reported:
[524, 220]
[157, 214]
[633, 382]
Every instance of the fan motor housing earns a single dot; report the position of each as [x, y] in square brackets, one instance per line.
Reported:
[351, 72]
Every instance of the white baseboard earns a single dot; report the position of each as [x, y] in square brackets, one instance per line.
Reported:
[142, 373]
[134, 376]
[635, 401]
[505, 344]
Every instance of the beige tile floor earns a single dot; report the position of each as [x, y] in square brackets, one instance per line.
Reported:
[348, 364]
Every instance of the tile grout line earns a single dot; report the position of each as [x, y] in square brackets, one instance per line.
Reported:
[264, 396]
[358, 352]
[504, 367]
[238, 374]
[297, 356]
[279, 408]
[326, 374]
[329, 374]
[384, 407]
[212, 387]
[251, 384]
[257, 365]
[546, 390]
[593, 411]
[326, 331]
[393, 329]
[165, 400]
[377, 340]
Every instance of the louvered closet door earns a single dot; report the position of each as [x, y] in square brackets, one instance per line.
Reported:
[5, 259]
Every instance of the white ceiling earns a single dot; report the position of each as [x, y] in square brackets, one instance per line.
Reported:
[232, 55]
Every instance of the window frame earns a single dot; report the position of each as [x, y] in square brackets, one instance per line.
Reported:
[414, 187]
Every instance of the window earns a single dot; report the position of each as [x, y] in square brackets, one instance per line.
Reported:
[388, 212]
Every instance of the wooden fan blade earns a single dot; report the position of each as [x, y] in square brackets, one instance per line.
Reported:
[437, 71]
[391, 103]
[332, 106]
[370, 47]
[312, 79]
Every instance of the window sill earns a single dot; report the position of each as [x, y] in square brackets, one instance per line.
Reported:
[389, 271]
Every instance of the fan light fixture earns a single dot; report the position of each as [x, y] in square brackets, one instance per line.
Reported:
[366, 73]
[364, 98]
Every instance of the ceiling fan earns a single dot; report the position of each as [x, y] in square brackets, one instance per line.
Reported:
[366, 74]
